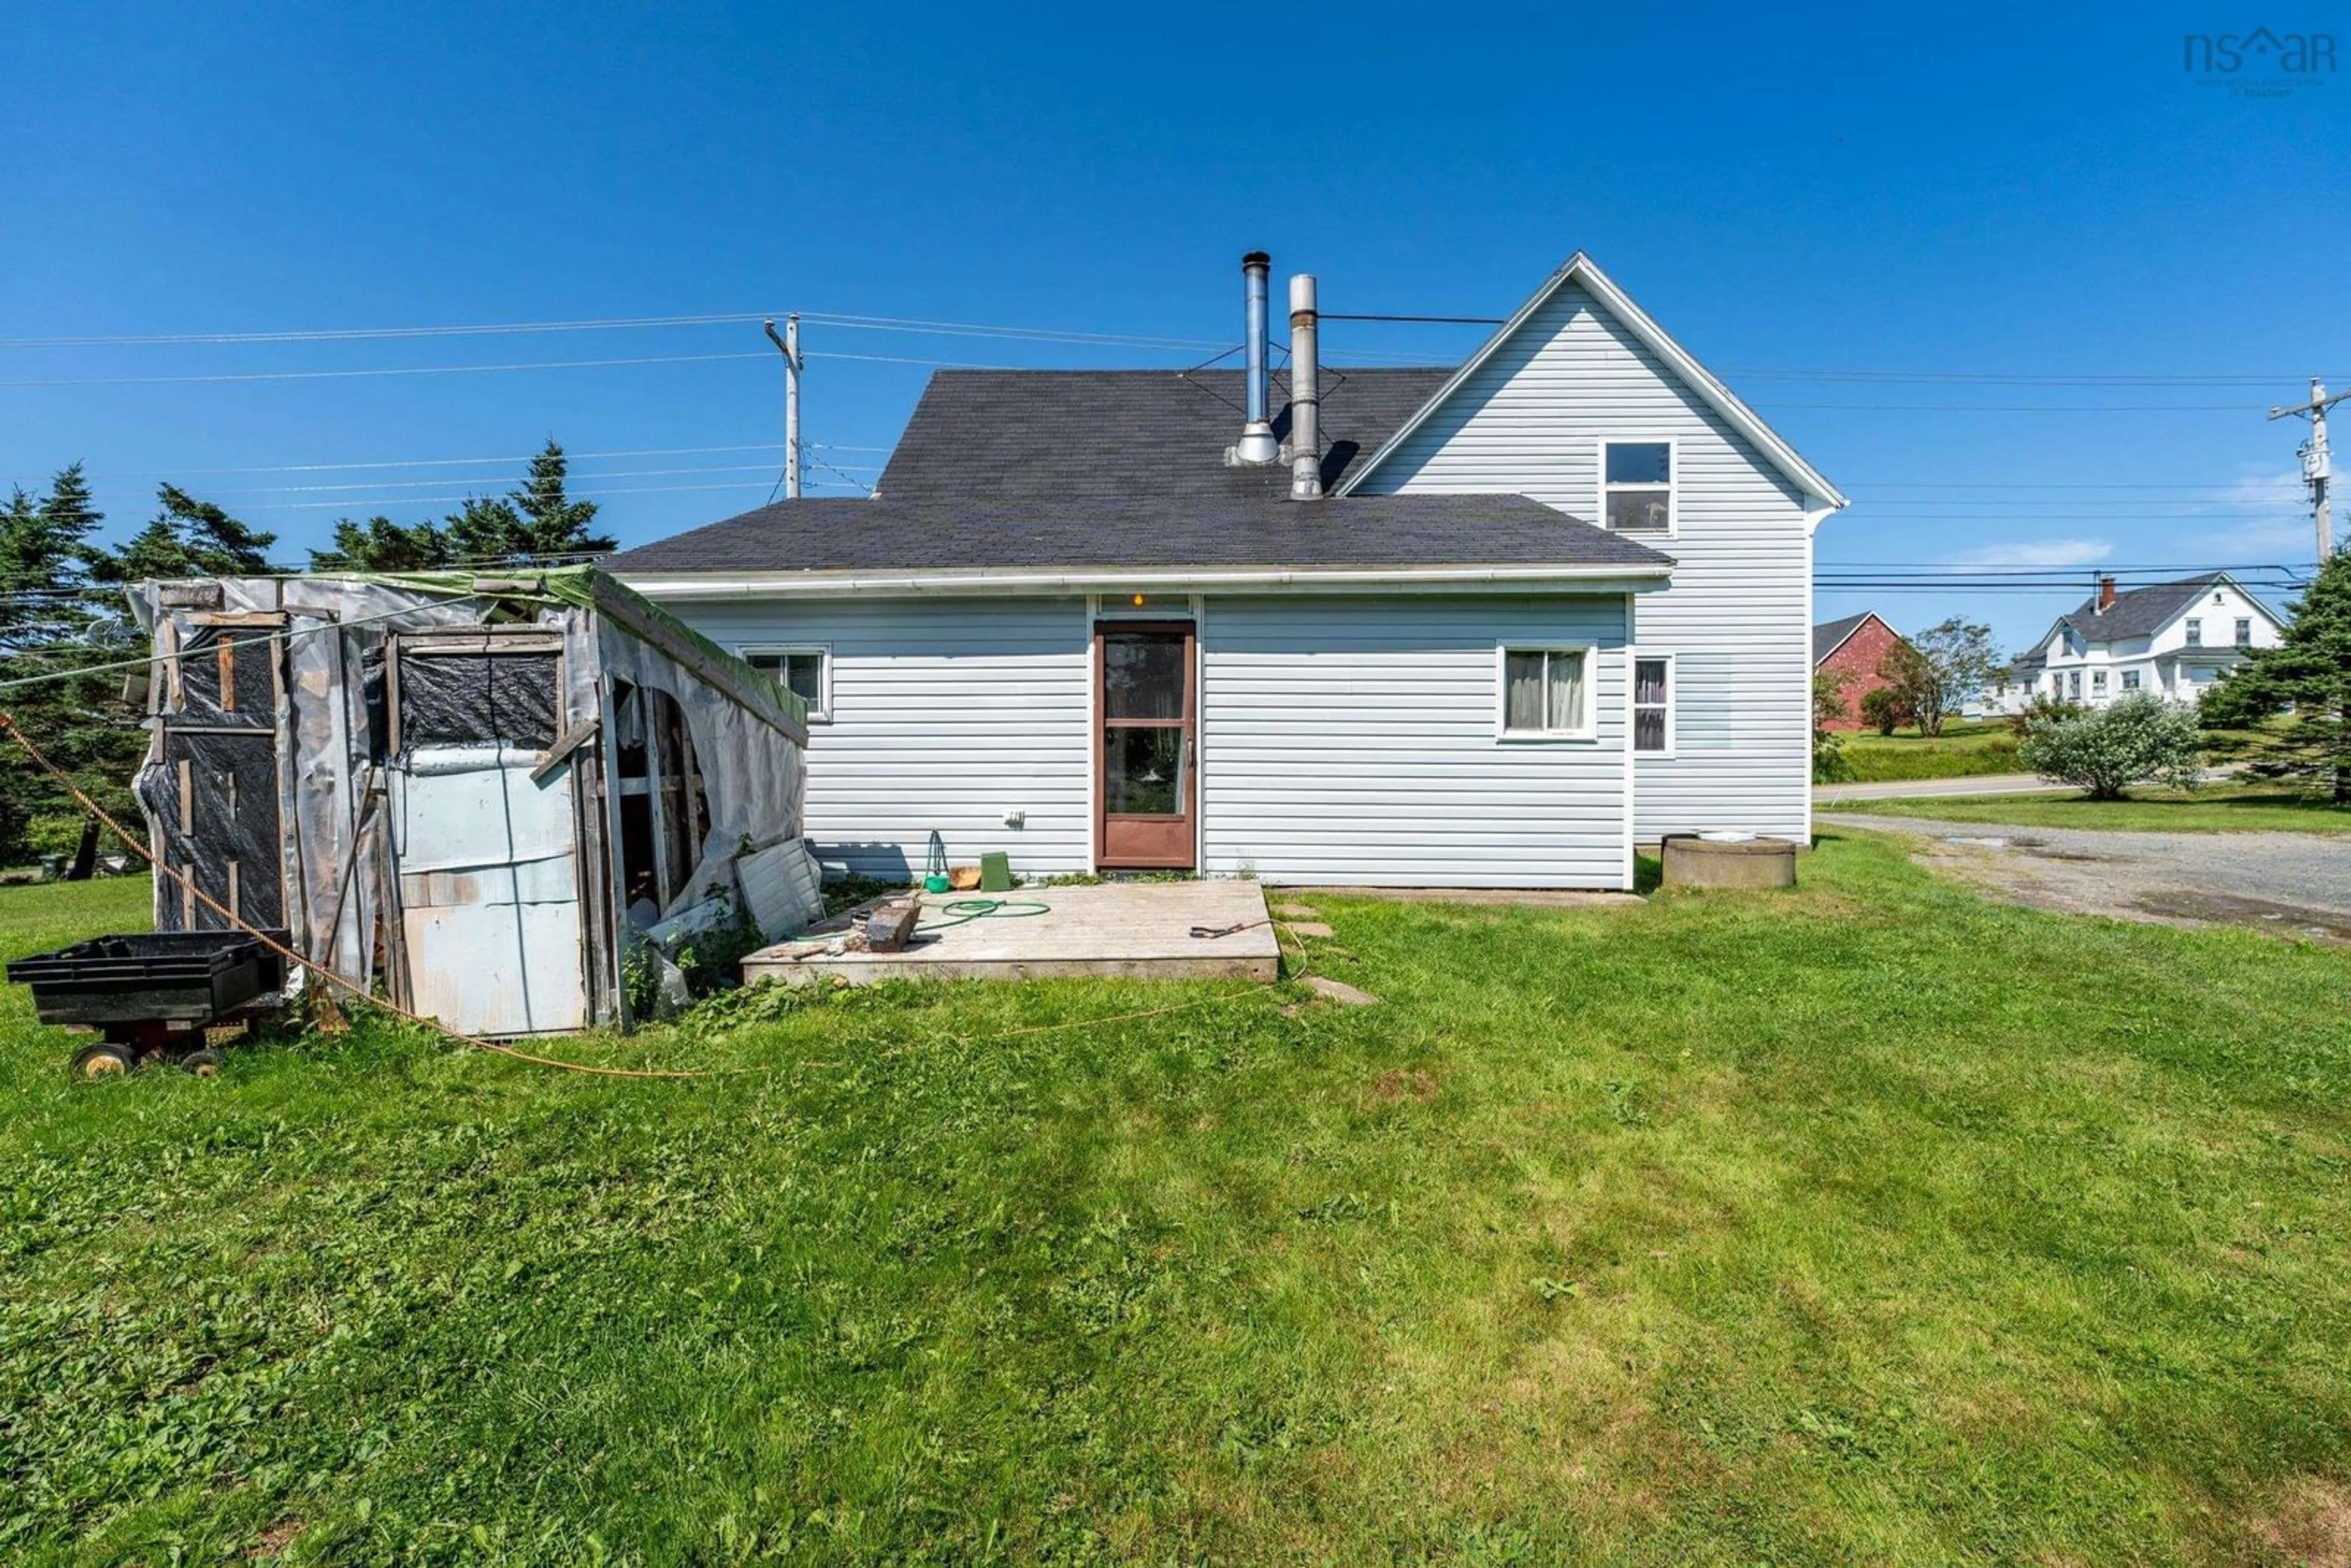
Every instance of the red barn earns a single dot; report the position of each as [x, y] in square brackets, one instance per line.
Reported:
[1853, 647]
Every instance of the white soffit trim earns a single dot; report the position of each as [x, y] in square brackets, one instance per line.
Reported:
[1580, 268]
[1163, 579]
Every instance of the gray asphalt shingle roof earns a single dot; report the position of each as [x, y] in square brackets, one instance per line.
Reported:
[1829, 633]
[2139, 611]
[1126, 469]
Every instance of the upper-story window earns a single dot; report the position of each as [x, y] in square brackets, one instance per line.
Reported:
[2195, 633]
[2244, 631]
[1638, 485]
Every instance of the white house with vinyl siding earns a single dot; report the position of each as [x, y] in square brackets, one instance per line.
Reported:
[1535, 611]
[2168, 639]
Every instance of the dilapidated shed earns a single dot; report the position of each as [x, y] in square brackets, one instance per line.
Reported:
[473, 793]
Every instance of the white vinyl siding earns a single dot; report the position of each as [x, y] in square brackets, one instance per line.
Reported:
[1353, 741]
[1736, 619]
[945, 713]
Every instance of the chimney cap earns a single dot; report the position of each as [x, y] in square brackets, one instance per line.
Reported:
[1257, 258]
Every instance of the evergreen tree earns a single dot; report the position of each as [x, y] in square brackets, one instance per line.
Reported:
[55, 625]
[537, 520]
[188, 537]
[381, 545]
[550, 522]
[2308, 677]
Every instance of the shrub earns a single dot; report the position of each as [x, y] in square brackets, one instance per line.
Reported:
[2106, 750]
[1830, 764]
[2041, 710]
[1887, 708]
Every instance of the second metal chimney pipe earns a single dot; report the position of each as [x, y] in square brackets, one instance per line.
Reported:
[1305, 394]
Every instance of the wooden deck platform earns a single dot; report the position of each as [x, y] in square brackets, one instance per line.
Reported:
[1129, 930]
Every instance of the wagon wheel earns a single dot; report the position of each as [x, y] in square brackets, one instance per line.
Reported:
[204, 1062]
[93, 1062]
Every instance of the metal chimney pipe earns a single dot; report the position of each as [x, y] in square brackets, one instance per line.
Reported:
[1305, 394]
[1257, 443]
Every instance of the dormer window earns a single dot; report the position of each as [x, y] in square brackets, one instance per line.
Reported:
[1637, 486]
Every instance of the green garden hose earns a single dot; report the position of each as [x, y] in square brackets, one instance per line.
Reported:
[963, 910]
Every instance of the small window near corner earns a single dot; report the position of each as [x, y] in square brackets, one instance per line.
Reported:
[1543, 694]
[2130, 680]
[1637, 486]
[806, 673]
[1653, 705]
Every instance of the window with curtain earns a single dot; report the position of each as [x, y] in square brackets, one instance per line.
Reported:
[1542, 691]
[1653, 689]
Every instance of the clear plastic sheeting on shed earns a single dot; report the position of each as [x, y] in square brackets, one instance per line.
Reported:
[296, 719]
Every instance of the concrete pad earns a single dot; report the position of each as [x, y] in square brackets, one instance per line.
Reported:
[1306, 928]
[1296, 911]
[1122, 930]
[1339, 991]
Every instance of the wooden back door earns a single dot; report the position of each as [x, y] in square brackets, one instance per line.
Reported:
[1143, 732]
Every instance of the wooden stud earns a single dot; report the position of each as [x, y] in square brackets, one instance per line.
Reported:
[234, 906]
[187, 798]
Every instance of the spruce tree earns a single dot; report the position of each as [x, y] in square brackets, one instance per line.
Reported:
[2306, 678]
[56, 621]
[381, 545]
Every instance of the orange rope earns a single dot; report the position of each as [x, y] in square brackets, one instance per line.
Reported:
[139, 848]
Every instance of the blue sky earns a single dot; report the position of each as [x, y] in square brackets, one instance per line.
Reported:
[2044, 194]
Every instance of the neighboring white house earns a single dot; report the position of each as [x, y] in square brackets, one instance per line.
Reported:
[2173, 639]
[1530, 611]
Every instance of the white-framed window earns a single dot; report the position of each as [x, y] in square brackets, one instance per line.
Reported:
[2097, 682]
[1653, 702]
[805, 671]
[1636, 487]
[2073, 681]
[1543, 694]
[2130, 680]
[2244, 631]
[2195, 633]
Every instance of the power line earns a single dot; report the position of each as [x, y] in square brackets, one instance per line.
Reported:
[464, 462]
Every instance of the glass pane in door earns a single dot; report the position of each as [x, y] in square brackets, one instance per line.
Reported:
[1143, 770]
[1144, 674]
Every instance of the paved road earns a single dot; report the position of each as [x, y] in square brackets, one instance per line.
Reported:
[1935, 789]
[1943, 789]
[2276, 881]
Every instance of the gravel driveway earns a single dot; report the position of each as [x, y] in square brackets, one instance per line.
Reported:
[2297, 884]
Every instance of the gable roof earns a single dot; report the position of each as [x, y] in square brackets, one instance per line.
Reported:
[2144, 611]
[1110, 470]
[1580, 268]
[1830, 635]
[1134, 435]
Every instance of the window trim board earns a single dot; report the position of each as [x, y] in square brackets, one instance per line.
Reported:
[748, 652]
[1633, 703]
[1586, 735]
[1673, 485]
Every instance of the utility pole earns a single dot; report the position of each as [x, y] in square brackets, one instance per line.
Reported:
[2317, 466]
[788, 345]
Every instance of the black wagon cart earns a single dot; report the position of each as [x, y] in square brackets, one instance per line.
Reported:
[153, 996]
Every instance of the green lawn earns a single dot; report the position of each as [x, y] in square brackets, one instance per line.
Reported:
[1965, 750]
[2224, 808]
[1868, 1224]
